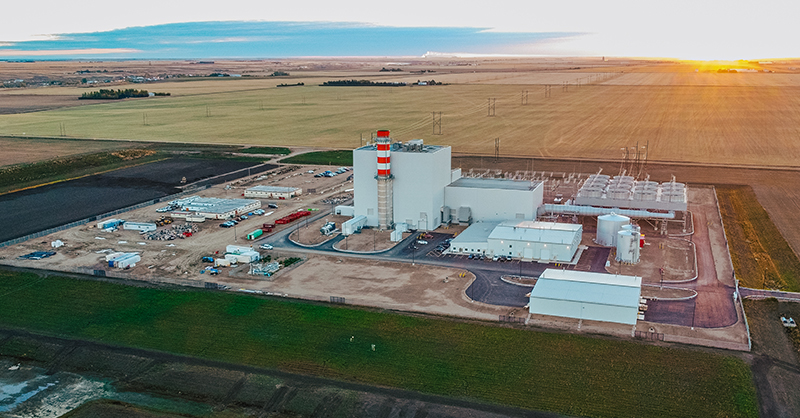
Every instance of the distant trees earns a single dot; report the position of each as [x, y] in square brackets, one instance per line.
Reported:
[384, 69]
[361, 83]
[109, 94]
[278, 74]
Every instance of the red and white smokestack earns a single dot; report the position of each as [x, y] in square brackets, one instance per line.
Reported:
[384, 159]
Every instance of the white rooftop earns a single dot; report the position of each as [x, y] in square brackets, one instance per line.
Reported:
[590, 277]
[272, 189]
[477, 232]
[535, 231]
[503, 184]
[586, 287]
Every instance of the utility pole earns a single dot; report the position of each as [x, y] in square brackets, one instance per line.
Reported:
[546, 90]
[496, 149]
[524, 97]
[491, 107]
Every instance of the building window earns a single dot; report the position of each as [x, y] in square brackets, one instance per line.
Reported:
[370, 211]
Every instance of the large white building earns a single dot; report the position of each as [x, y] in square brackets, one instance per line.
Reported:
[585, 295]
[413, 184]
[526, 240]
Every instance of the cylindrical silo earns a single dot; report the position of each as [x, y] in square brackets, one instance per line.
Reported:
[607, 228]
[628, 246]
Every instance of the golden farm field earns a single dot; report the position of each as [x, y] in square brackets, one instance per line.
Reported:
[734, 125]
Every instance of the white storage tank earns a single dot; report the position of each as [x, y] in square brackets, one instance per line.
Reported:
[628, 246]
[607, 228]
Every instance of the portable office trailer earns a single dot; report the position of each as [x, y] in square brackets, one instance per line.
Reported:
[139, 226]
[128, 261]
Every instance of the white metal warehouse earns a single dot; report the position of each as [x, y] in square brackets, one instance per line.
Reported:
[526, 240]
[273, 192]
[532, 240]
[586, 295]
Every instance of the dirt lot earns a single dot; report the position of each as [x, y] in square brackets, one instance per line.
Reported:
[178, 259]
[61, 203]
[380, 284]
[19, 151]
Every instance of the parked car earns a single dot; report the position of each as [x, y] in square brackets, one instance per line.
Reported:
[495, 258]
[244, 217]
[272, 206]
[471, 256]
[265, 246]
[422, 242]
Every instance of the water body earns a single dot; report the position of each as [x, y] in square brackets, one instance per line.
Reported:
[30, 392]
[196, 40]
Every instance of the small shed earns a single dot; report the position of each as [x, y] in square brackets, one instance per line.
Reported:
[587, 295]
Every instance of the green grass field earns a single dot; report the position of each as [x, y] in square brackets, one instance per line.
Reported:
[344, 158]
[564, 373]
[761, 256]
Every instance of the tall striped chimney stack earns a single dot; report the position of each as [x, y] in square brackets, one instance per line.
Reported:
[384, 178]
[384, 158]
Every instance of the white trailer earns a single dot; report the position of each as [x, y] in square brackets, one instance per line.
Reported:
[238, 249]
[128, 262]
[139, 226]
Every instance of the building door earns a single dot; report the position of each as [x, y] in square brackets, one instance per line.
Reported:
[527, 252]
[545, 254]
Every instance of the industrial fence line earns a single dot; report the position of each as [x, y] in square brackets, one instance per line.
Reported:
[101, 216]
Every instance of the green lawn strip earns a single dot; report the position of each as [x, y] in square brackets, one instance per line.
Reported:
[266, 150]
[343, 158]
[564, 373]
[761, 256]
[29, 175]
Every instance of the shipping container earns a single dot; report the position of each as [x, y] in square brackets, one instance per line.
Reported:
[255, 234]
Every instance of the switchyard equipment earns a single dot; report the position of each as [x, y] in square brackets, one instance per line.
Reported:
[328, 228]
[587, 296]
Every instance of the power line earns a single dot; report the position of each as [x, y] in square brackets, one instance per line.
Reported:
[437, 122]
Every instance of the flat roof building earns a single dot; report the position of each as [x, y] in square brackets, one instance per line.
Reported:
[273, 192]
[215, 208]
[526, 240]
[585, 295]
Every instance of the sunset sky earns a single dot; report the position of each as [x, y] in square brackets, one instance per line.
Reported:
[678, 29]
